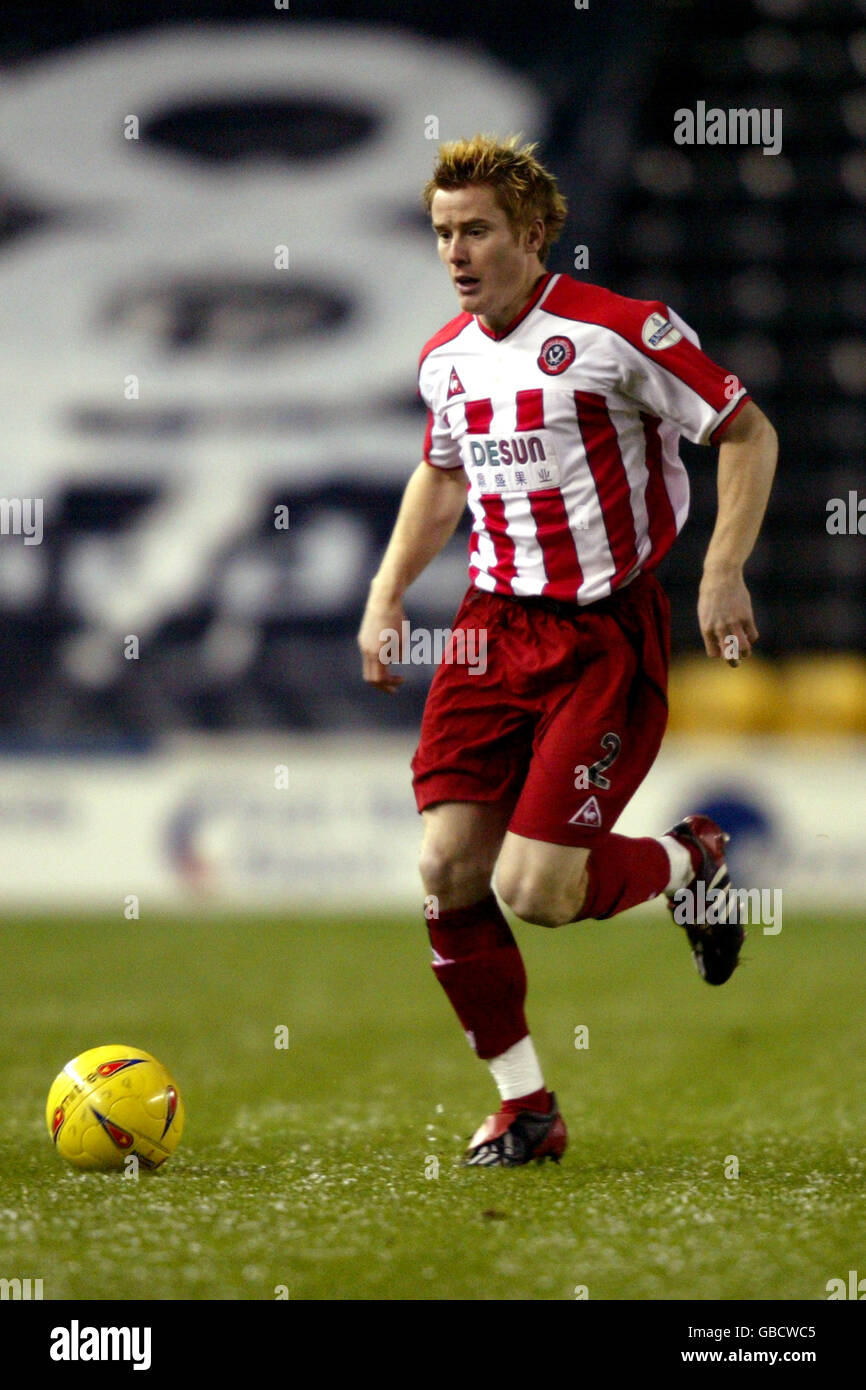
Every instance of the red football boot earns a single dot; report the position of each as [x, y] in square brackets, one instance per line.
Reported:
[715, 942]
[508, 1141]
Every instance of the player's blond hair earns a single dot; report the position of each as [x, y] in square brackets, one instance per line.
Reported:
[522, 186]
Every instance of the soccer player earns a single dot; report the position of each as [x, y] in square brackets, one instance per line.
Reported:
[557, 406]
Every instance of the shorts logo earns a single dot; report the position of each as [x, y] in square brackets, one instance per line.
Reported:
[658, 332]
[587, 814]
[556, 354]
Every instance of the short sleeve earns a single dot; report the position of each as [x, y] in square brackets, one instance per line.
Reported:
[440, 449]
[669, 375]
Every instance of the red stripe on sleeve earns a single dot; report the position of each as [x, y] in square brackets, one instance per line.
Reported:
[692, 366]
[428, 445]
[719, 432]
[611, 481]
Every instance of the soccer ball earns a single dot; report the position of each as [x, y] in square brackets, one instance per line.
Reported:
[113, 1102]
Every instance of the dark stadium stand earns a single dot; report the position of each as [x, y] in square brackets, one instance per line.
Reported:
[764, 255]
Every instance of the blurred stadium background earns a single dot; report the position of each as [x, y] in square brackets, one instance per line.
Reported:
[215, 279]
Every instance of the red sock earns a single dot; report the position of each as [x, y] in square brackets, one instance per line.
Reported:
[539, 1101]
[481, 970]
[622, 872]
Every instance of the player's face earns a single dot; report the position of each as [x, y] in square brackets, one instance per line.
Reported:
[492, 267]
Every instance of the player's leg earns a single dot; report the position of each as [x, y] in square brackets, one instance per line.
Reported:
[477, 961]
[542, 883]
[560, 862]
[462, 840]
[471, 760]
[552, 885]
[475, 956]
[595, 743]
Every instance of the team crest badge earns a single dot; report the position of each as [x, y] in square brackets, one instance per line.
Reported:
[556, 354]
[455, 385]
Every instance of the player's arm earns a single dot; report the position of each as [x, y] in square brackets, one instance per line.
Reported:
[747, 463]
[431, 508]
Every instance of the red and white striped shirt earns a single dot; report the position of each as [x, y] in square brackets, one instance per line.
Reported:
[567, 424]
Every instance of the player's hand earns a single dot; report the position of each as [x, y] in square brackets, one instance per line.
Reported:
[725, 616]
[380, 617]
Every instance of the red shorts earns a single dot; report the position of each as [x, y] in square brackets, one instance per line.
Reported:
[567, 718]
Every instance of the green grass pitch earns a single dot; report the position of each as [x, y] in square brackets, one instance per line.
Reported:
[716, 1135]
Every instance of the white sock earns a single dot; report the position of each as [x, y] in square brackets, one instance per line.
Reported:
[682, 869]
[516, 1072]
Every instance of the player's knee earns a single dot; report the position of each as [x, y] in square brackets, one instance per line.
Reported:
[435, 865]
[534, 902]
[538, 901]
[454, 875]
[539, 910]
